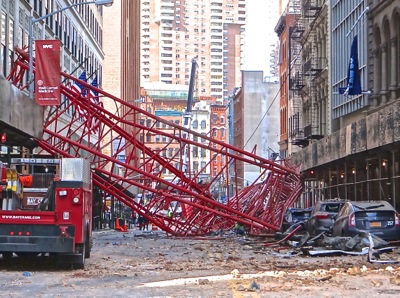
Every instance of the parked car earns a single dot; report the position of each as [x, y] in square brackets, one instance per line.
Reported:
[323, 216]
[294, 216]
[377, 217]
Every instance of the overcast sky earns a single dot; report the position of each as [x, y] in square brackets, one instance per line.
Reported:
[262, 16]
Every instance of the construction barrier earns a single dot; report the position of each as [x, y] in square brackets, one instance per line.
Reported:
[118, 226]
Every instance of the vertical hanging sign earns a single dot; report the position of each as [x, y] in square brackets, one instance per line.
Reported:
[47, 72]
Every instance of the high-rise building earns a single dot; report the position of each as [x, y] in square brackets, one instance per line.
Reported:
[174, 32]
[122, 52]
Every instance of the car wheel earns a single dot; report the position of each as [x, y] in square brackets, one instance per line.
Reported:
[7, 255]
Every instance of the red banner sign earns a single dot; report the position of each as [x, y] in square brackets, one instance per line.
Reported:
[47, 72]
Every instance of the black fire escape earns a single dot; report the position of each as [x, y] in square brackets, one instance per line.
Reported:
[296, 78]
[305, 75]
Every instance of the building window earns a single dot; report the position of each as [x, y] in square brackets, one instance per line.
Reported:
[203, 140]
[196, 167]
[195, 151]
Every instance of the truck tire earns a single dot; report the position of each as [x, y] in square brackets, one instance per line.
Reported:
[80, 264]
[88, 246]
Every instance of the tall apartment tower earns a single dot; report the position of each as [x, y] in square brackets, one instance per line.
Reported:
[122, 56]
[174, 32]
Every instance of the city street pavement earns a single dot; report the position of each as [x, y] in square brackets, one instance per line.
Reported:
[151, 264]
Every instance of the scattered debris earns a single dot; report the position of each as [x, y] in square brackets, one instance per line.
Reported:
[395, 280]
[322, 245]
[374, 254]
[254, 286]
[324, 252]
[325, 278]
[235, 273]
[203, 281]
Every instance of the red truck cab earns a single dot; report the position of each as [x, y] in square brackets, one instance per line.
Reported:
[57, 221]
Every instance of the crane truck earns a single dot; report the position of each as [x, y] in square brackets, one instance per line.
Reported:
[51, 221]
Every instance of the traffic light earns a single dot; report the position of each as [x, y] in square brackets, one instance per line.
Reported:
[3, 138]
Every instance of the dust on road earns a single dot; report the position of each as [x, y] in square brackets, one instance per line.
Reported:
[151, 264]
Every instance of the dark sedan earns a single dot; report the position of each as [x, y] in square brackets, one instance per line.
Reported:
[376, 217]
[323, 216]
[294, 216]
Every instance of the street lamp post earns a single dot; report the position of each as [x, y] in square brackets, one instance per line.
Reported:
[32, 21]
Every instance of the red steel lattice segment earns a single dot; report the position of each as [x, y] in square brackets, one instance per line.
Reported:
[102, 136]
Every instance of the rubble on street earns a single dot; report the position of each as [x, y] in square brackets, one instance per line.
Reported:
[151, 263]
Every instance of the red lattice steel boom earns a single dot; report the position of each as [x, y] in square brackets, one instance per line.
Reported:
[102, 136]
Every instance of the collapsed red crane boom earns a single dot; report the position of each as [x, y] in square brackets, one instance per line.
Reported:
[102, 136]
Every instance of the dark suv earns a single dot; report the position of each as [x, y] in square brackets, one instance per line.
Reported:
[323, 216]
[376, 217]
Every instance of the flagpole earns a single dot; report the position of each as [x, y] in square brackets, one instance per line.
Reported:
[358, 19]
[368, 92]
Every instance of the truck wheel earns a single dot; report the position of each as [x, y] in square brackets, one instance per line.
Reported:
[88, 244]
[80, 264]
[88, 248]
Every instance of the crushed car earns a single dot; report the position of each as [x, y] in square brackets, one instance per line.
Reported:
[293, 216]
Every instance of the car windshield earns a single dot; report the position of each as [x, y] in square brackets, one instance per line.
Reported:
[330, 207]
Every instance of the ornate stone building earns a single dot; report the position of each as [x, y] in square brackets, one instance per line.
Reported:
[358, 158]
